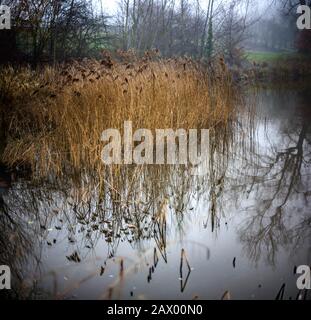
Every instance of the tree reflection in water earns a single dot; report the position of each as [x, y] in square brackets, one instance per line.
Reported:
[280, 188]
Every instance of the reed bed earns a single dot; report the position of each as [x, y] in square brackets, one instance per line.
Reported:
[53, 118]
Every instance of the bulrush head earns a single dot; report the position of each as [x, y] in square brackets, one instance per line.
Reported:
[89, 96]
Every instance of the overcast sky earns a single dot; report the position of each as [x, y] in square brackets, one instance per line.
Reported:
[111, 6]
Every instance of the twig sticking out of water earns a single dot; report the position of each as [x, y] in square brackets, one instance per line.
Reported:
[302, 295]
[121, 268]
[110, 292]
[182, 258]
[155, 258]
[183, 283]
[226, 296]
[280, 294]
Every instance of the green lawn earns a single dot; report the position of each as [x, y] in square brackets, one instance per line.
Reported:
[260, 57]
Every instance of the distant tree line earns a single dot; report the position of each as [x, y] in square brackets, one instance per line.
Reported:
[183, 27]
[277, 33]
[57, 30]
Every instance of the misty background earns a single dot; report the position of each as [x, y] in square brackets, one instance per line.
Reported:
[51, 31]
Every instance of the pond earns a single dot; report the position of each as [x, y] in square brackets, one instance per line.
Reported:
[238, 233]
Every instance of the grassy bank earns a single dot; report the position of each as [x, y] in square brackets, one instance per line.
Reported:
[270, 57]
[280, 67]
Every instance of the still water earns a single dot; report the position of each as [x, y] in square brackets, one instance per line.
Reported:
[239, 233]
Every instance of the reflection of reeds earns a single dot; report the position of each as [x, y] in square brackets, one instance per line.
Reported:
[183, 282]
[137, 204]
[183, 258]
[127, 203]
[280, 295]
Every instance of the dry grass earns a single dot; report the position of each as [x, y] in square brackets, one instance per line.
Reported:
[54, 117]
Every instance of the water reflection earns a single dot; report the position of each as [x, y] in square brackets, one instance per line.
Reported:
[17, 245]
[279, 187]
[157, 231]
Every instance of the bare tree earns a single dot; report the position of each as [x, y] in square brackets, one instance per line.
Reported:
[56, 29]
